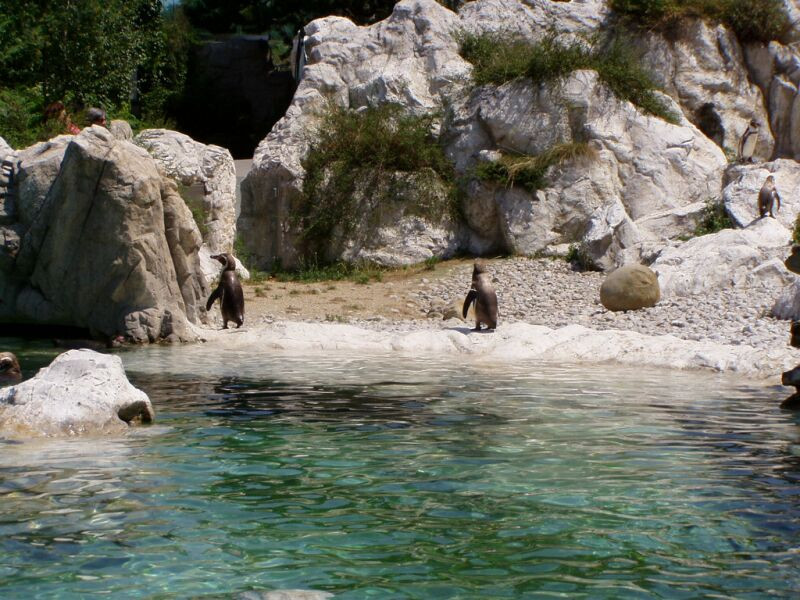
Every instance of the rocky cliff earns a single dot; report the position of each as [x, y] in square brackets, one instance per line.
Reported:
[639, 188]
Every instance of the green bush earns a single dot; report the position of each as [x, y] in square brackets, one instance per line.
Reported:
[499, 58]
[361, 152]
[529, 171]
[751, 20]
[714, 218]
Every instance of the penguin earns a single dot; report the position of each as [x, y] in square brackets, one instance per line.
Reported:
[768, 198]
[9, 369]
[747, 145]
[483, 295]
[229, 291]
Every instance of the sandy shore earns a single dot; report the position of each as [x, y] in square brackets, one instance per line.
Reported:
[547, 312]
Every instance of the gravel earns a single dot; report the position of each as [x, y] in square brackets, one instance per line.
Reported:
[547, 292]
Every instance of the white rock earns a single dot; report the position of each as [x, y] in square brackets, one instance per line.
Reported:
[702, 66]
[211, 268]
[81, 392]
[191, 162]
[726, 259]
[776, 70]
[515, 342]
[740, 194]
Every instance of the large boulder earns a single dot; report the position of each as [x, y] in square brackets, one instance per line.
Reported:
[208, 167]
[110, 247]
[743, 183]
[630, 287]
[81, 392]
[729, 258]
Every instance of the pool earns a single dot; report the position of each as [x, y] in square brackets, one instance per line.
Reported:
[374, 477]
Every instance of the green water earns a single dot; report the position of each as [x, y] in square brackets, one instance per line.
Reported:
[397, 478]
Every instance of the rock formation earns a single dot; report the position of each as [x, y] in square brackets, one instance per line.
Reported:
[646, 180]
[81, 392]
[190, 163]
[100, 241]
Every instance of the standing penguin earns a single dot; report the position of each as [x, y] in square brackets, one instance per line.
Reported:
[747, 145]
[229, 291]
[483, 295]
[768, 198]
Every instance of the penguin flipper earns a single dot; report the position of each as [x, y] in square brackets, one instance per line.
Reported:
[214, 295]
[471, 297]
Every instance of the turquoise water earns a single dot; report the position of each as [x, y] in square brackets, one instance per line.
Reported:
[397, 478]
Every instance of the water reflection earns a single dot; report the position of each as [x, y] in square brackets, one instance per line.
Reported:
[369, 478]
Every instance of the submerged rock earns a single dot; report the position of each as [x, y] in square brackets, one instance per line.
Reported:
[81, 392]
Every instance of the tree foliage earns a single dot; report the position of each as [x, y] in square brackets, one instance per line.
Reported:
[259, 16]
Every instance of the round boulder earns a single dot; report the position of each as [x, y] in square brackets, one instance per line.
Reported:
[630, 287]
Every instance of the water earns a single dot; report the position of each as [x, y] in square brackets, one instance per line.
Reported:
[395, 478]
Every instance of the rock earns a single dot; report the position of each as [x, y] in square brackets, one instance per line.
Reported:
[392, 233]
[702, 66]
[122, 259]
[517, 342]
[5, 149]
[36, 168]
[637, 167]
[726, 259]
[531, 20]
[82, 392]
[776, 70]
[211, 268]
[630, 287]
[410, 58]
[743, 183]
[121, 129]
[787, 306]
[210, 168]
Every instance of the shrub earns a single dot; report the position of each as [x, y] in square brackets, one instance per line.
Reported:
[500, 58]
[714, 218]
[751, 20]
[529, 171]
[360, 154]
[796, 230]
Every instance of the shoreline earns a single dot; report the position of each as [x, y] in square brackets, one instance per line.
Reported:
[547, 312]
[513, 342]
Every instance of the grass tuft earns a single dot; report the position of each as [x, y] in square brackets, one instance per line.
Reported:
[500, 58]
[529, 171]
[751, 20]
[714, 218]
[363, 161]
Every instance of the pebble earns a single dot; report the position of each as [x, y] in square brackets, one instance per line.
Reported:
[547, 292]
